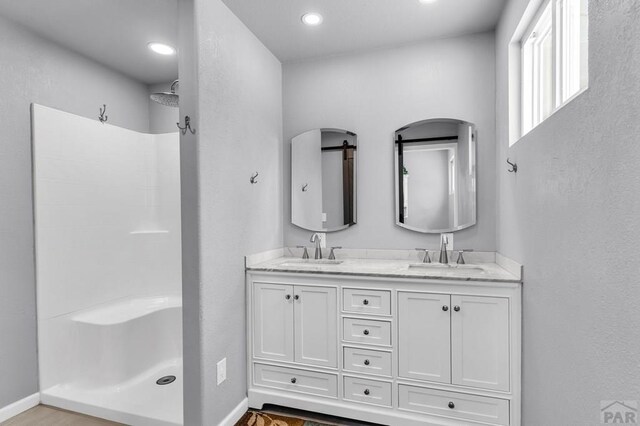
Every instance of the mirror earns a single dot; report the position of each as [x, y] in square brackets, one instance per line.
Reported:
[435, 165]
[323, 180]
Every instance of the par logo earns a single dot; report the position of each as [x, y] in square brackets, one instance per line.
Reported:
[619, 412]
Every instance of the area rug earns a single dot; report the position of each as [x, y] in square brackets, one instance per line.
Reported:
[262, 418]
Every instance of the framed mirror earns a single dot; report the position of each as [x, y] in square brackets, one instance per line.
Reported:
[323, 180]
[435, 175]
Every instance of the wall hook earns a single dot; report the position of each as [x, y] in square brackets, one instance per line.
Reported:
[304, 187]
[103, 118]
[187, 126]
[254, 179]
[514, 167]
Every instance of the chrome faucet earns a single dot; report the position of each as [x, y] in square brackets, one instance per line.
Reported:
[315, 238]
[443, 249]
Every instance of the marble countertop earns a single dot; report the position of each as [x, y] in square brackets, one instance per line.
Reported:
[481, 269]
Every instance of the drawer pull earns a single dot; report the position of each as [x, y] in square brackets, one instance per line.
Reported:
[456, 308]
[452, 405]
[445, 308]
[366, 332]
[288, 297]
[365, 302]
[294, 380]
[366, 392]
[366, 362]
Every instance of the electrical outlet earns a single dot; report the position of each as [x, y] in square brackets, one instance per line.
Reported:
[222, 370]
[449, 240]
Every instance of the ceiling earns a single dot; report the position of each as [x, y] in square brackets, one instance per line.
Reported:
[354, 25]
[112, 32]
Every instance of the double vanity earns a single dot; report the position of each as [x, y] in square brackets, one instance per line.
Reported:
[380, 336]
[391, 337]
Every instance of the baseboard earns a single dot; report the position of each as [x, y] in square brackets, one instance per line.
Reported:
[18, 407]
[237, 413]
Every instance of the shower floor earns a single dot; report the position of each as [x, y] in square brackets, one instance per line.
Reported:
[139, 401]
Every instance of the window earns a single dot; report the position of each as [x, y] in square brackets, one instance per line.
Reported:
[554, 59]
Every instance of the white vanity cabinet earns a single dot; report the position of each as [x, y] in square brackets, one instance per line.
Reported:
[394, 351]
[295, 323]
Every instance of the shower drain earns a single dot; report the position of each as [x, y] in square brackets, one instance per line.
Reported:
[165, 380]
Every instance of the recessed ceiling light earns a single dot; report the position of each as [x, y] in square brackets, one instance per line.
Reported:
[427, 1]
[312, 19]
[161, 49]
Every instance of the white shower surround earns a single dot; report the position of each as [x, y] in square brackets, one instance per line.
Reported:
[107, 212]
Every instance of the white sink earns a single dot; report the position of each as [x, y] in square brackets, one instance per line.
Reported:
[446, 267]
[311, 262]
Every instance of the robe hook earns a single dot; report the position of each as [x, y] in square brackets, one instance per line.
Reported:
[187, 126]
[103, 118]
[514, 167]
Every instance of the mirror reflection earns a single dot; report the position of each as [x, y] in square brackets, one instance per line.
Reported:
[323, 180]
[436, 175]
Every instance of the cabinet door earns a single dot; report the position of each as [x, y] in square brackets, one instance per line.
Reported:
[480, 342]
[273, 321]
[316, 318]
[424, 336]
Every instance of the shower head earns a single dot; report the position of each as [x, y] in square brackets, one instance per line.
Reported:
[169, 99]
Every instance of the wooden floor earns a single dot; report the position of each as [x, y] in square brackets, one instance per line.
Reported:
[43, 415]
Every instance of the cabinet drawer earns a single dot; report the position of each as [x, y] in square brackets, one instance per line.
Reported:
[371, 332]
[292, 379]
[366, 390]
[453, 404]
[374, 302]
[367, 361]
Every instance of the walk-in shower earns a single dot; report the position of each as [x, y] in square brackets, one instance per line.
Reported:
[107, 209]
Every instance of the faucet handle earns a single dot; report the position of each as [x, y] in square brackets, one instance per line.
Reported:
[332, 256]
[460, 260]
[426, 258]
[305, 253]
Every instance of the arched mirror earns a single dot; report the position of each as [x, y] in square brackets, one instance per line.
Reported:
[323, 180]
[435, 169]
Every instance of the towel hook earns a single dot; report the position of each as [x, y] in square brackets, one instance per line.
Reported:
[304, 187]
[187, 126]
[254, 179]
[103, 118]
[514, 167]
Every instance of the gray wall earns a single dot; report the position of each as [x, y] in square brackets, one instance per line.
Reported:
[189, 188]
[571, 216]
[34, 70]
[162, 119]
[239, 133]
[373, 94]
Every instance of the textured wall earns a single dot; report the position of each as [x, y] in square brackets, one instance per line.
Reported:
[373, 94]
[34, 70]
[239, 133]
[570, 215]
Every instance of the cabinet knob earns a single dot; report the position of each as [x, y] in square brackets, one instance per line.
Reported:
[366, 332]
[294, 380]
[366, 362]
[365, 302]
[288, 297]
[456, 308]
[296, 297]
[445, 308]
[366, 392]
[452, 405]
